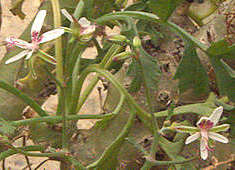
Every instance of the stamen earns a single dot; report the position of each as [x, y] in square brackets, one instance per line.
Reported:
[205, 124]
[35, 36]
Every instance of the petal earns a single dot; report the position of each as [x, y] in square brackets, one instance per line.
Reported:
[84, 22]
[17, 57]
[186, 129]
[88, 30]
[192, 138]
[29, 55]
[203, 149]
[19, 43]
[38, 22]
[67, 15]
[220, 128]
[51, 35]
[218, 137]
[215, 116]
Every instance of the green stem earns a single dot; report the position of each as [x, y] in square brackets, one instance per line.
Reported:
[153, 18]
[10, 152]
[105, 63]
[97, 45]
[156, 163]
[186, 35]
[36, 107]
[58, 50]
[112, 148]
[59, 71]
[119, 106]
[58, 43]
[24, 151]
[108, 58]
[46, 57]
[144, 116]
[64, 120]
[203, 109]
[57, 119]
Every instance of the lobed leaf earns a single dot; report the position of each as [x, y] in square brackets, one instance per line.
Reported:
[191, 73]
[163, 8]
[224, 78]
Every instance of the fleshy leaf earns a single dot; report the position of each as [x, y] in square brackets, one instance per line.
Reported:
[191, 72]
[163, 8]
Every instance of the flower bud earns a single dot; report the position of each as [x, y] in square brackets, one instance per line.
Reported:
[118, 38]
[136, 42]
[123, 56]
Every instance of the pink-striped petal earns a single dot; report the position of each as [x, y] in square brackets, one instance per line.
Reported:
[215, 116]
[192, 138]
[38, 22]
[203, 149]
[218, 137]
[17, 57]
[18, 42]
[51, 35]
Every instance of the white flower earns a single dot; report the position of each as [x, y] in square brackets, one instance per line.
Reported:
[85, 26]
[206, 129]
[30, 48]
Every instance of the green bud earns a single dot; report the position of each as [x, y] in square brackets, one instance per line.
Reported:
[118, 38]
[123, 56]
[136, 42]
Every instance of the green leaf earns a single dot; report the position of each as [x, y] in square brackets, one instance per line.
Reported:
[173, 150]
[134, 71]
[6, 128]
[163, 8]
[150, 69]
[222, 49]
[225, 82]
[229, 69]
[145, 71]
[97, 8]
[33, 104]
[191, 73]
[224, 75]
